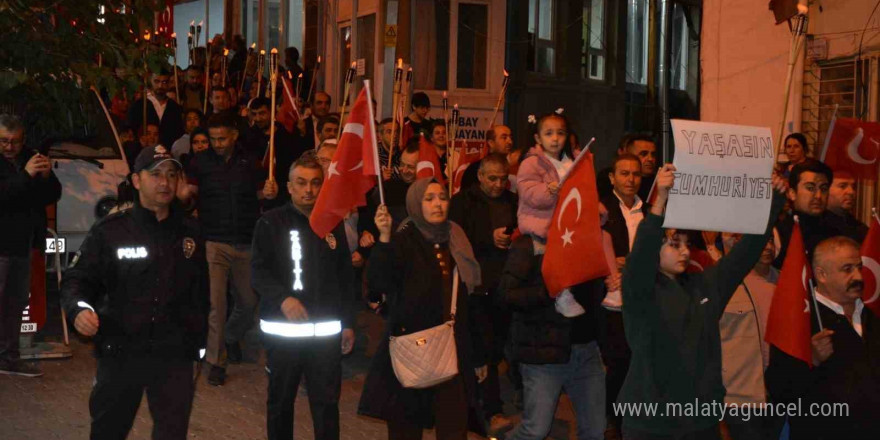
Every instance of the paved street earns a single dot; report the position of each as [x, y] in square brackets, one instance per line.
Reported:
[55, 405]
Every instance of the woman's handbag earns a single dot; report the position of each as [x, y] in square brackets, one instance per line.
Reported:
[428, 357]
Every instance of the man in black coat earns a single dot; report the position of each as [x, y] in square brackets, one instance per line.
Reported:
[164, 112]
[845, 375]
[487, 213]
[27, 186]
[139, 286]
[643, 147]
[841, 200]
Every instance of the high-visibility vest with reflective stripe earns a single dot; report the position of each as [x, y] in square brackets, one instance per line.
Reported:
[301, 330]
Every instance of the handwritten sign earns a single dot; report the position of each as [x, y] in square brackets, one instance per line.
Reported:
[722, 181]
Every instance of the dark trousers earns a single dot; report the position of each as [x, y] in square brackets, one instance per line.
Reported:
[616, 355]
[319, 359]
[494, 324]
[119, 386]
[450, 415]
[15, 278]
[706, 434]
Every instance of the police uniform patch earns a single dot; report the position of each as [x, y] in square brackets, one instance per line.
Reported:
[189, 247]
[331, 240]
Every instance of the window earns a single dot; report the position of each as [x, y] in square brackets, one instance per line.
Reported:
[366, 42]
[431, 44]
[542, 51]
[344, 60]
[593, 37]
[637, 42]
[473, 25]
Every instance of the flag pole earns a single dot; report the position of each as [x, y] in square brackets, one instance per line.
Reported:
[577, 160]
[810, 283]
[273, 83]
[373, 140]
[828, 134]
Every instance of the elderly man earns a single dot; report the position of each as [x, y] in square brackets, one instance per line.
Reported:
[27, 186]
[487, 213]
[845, 374]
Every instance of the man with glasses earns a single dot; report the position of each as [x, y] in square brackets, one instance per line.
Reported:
[164, 112]
[27, 186]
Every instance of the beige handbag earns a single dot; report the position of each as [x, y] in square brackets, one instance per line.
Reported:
[428, 357]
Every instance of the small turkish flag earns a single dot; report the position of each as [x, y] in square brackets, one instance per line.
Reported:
[466, 155]
[853, 145]
[871, 266]
[788, 324]
[288, 114]
[429, 162]
[352, 171]
[574, 241]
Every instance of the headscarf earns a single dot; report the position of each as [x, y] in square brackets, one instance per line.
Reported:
[448, 231]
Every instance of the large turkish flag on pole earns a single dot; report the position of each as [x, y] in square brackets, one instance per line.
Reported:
[871, 266]
[853, 145]
[352, 171]
[788, 325]
[574, 242]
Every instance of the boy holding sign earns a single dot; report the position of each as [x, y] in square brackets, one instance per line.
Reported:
[671, 322]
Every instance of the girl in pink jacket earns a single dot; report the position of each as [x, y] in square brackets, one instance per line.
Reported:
[537, 185]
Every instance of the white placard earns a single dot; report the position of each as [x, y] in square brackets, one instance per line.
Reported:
[52, 245]
[722, 182]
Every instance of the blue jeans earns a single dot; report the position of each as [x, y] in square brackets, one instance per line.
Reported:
[582, 379]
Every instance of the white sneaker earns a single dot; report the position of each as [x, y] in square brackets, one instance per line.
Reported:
[567, 306]
[613, 301]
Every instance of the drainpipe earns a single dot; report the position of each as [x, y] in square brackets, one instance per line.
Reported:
[663, 76]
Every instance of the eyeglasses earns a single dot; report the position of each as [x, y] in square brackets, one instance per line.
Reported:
[5, 142]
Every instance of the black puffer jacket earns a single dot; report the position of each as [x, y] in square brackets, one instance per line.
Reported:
[538, 333]
[23, 201]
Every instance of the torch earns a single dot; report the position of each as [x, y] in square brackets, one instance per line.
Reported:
[797, 42]
[189, 46]
[207, 74]
[349, 78]
[273, 81]
[146, 75]
[199, 33]
[299, 86]
[500, 98]
[395, 103]
[247, 62]
[314, 79]
[174, 54]
[404, 98]
[261, 64]
[223, 62]
[450, 154]
[192, 45]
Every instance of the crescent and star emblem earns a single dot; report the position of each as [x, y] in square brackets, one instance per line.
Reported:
[853, 148]
[573, 195]
[874, 267]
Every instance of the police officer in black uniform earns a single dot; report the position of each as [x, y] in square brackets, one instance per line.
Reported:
[306, 285]
[139, 286]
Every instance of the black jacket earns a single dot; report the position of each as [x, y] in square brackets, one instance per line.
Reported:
[850, 376]
[814, 229]
[148, 282]
[616, 224]
[171, 127]
[538, 333]
[406, 269]
[23, 201]
[227, 201]
[287, 150]
[327, 276]
[471, 209]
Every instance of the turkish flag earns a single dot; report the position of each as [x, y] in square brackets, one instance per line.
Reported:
[288, 114]
[788, 324]
[574, 241]
[700, 261]
[853, 145]
[164, 20]
[465, 156]
[352, 171]
[408, 133]
[429, 162]
[871, 266]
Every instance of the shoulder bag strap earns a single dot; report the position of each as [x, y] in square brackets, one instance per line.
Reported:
[455, 282]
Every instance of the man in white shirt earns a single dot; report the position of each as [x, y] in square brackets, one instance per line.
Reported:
[846, 353]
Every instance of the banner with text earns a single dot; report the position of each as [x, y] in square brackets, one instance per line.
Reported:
[722, 182]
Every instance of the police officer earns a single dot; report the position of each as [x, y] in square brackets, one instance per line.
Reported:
[139, 286]
[306, 285]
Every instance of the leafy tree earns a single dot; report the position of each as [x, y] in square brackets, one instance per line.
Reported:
[53, 52]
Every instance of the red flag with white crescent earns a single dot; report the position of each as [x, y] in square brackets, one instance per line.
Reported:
[788, 324]
[465, 156]
[853, 145]
[429, 162]
[352, 171]
[575, 231]
[871, 266]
